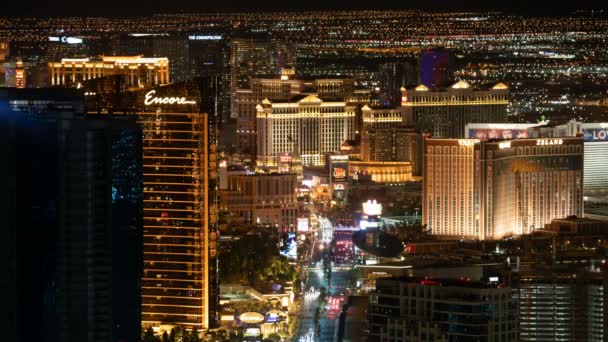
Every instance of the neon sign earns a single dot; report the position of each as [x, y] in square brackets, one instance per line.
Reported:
[339, 172]
[546, 142]
[595, 134]
[207, 37]
[152, 100]
[504, 144]
[467, 142]
[67, 40]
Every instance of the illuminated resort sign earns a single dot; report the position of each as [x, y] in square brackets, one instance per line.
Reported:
[67, 40]
[504, 144]
[251, 317]
[206, 37]
[153, 100]
[596, 134]
[467, 142]
[546, 142]
[372, 208]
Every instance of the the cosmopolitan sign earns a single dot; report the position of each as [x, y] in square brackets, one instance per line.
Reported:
[204, 37]
[154, 100]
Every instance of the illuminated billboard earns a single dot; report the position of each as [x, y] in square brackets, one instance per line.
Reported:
[338, 191]
[290, 247]
[284, 163]
[338, 168]
[500, 131]
[488, 134]
[595, 134]
[302, 224]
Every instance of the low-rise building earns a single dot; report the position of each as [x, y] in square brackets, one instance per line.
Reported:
[268, 199]
[382, 172]
[561, 304]
[425, 309]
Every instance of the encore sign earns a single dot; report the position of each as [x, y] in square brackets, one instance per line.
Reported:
[152, 100]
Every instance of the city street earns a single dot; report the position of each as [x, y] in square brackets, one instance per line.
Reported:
[306, 331]
[329, 317]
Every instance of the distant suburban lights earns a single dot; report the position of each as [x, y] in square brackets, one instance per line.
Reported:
[372, 208]
[151, 99]
[504, 144]
[196, 37]
[544, 142]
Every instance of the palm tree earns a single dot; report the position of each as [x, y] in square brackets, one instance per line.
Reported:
[410, 233]
[149, 336]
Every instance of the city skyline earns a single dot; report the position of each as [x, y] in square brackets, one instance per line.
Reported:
[261, 172]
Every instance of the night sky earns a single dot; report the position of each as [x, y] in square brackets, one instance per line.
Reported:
[118, 8]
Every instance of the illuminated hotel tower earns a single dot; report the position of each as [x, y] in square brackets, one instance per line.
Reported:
[445, 112]
[20, 74]
[179, 285]
[492, 189]
[139, 71]
[317, 127]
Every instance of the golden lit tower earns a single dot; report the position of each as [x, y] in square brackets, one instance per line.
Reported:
[180, 256]
[444, 112]
[494, 189]
[20, 74]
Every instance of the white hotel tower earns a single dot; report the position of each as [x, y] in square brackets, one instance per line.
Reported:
[305, 124]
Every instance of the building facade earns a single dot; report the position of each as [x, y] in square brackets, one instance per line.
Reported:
[382, 117]
[180, 283]
[282, 89]
[394, 75]
[595, 136]
[180, 237]
[20, 76]
[310, 126]
[422, 309]
[247, 99]
[139, 71]
[381, 172]
[561, 305]
[385, 137]
[252, 57]
[266, 199]
[596, 163]
[71, 195]
[444, 113]
[437, 67]
[489, 190]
